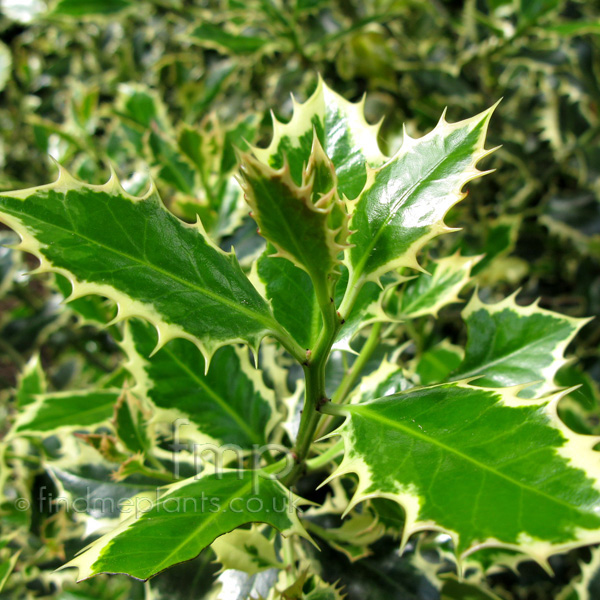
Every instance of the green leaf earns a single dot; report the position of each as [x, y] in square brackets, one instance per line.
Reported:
[90, 489]
[129, 421]
[135, 252]
[295, 306]
[215, 36]
[405, 200]
[7, 567]
[185, 520]
[570, 28]
[53, 412]
[229, 404]
[82, 8]
[436, 364]
[510, 473]
[345, 136]
[501, 237]
[428, 293]
[32, 382]
[292, 297]
[511, 345]
[172, 168]
[306, 223]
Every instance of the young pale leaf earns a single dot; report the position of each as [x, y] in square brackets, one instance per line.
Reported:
[510, 473]
[306, 223]
[405, 200]
[135, 252]
[510, 344]
[185, 520]
[345, 136]
[246, 550]
[52, 412]
[228, 405]
[427, 293]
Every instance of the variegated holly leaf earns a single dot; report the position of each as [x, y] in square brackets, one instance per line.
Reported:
[404, 201]
[246, 550]
[187, 518]
[57, 411]
[229, 404]
[387, 379]
[510, 344]
[345, 136]
[510, 473]
[427, 293]
[135, 252]
[32, 382]
[307, 223]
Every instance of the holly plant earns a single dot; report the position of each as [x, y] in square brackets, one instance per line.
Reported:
[286, 402]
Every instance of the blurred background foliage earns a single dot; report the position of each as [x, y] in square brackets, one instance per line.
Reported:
[139, 86]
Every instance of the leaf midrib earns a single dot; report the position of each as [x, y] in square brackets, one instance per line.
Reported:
[504, 357]
[365, 411]
[220, 401]
[266, 321]
[394, 210]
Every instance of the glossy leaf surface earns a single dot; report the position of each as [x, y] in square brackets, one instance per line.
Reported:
[510, 344]
[405, 200]
[135, 252]
[227, 404]
[485, 452]
[186, 519]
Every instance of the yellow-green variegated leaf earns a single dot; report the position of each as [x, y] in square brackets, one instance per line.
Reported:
[57, 411]
[427, 293]
[228, 404]
[345, 136]
[246, 550]
[187, 518]
[510, 344]
[510, 473]
[135, 252]
[404, 201]
[307, 223]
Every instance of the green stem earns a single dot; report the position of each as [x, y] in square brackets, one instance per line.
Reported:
[287, 546]
[349, 380]
[355, 284]
[314, 376]
[314, 464]
[158, 475]
[285, 339]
